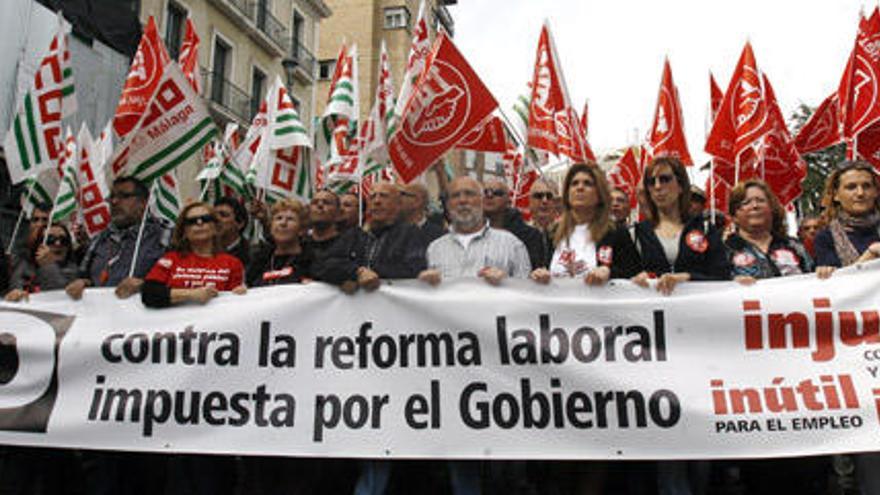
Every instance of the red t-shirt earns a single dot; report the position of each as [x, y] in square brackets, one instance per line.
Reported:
[188, 271]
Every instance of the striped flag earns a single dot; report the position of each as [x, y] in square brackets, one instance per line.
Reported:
[93, 189]
[379, 125]
[35, 141]
[416, 62]
[286, 129]
[166, 198]
[174, 126]
[338, 128]
[65, 197]
[41, 190]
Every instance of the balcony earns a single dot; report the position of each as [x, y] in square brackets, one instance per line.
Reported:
[306, 63]
[255, 19]
[225, 98]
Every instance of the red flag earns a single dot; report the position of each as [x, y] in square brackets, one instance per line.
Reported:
[715, 96]
[626, 175]
[553, 123]
[781, 164]
[742, 119]
[146, 70]
[822, 129]
[189, 55]
[490, 137]
[585, 120]
[448, 102]
[859, 90]
[667, 132]
[868, 144]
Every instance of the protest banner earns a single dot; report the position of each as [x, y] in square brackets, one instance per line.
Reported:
[786, 367]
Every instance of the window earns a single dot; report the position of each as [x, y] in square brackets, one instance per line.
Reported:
[174, 25]
[298, 27]
[258, 90]
[263, 8]
[396, 18]
[326, 68]
[222, 52]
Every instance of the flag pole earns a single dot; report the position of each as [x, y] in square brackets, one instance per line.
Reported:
[140, 236]
[712, 189]
[519, 140]
[204, 190]
[27, 199]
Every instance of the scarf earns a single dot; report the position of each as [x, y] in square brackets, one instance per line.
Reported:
[847, 253]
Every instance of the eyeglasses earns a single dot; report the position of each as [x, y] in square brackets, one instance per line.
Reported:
[542, 196]
[58, 239]
[199, 220]
[660, 180]
[497, 193]
[122, 195]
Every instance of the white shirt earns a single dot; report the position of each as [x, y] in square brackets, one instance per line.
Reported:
[575, 256]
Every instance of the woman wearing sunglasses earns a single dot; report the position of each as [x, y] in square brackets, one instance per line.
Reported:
[588, 245]
[851, 218]
[675, 247]
[196, 269]
[50, 265]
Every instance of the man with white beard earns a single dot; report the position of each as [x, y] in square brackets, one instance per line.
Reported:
[472, 248]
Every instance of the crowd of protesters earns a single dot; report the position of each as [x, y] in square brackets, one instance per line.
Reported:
[584, 231]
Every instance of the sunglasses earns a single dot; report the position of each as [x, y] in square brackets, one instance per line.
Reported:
[541, 196]
[58, 239]
[199, 220]
[497, 193]
[660, 180]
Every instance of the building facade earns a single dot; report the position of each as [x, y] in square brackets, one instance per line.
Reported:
[244, 46]
[367, 23]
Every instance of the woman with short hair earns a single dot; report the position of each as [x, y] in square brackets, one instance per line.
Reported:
[760, 247]
[283, 259]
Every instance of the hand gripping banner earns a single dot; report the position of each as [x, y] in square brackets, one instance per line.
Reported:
[783, 368]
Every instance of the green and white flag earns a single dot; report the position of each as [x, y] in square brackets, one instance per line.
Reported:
[337, 129]
[286, 129]
[40, 190]
[166, 198]
[419, 50]
[379, 126]
[66, 197]
[35, 141]
[174, 127]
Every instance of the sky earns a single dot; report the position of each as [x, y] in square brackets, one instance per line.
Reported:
[612, 53]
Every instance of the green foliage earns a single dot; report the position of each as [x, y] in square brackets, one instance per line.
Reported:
[819, 164]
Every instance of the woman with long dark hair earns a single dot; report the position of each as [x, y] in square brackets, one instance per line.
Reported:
[850, 217]
[674, 246]
[50, 265]
[588, 244]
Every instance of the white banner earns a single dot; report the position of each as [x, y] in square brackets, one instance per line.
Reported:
[785, 367]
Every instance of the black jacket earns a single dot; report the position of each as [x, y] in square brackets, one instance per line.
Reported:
[268, 269]
[700, 253]
[396, 252]
[625, 261]
[530, 236]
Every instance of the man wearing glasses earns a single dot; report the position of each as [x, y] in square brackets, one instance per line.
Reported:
[497, 208]
[542, 206]
[108, 260]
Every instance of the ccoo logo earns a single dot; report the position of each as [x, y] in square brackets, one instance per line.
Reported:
[440, 109]
[29, 343]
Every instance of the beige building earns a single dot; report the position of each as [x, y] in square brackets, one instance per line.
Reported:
[244, 45]
[367, 23]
